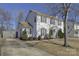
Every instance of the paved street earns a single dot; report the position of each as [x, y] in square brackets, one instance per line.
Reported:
[15, 47]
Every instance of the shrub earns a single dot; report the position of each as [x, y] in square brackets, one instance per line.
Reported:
[24, 35]
[46, 37]
[1, 34]
[39, 37]
[60, 33]
[50, 33]
[30, 38]
[34, 38]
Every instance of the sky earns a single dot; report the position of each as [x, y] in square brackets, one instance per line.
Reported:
[14, 8]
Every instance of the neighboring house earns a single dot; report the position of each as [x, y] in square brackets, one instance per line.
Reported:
[24, 26]
[70, 29]
[42, 24]
[73, 28]
[76, 29]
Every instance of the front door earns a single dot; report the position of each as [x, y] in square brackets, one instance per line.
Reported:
[43, 32]
[52, 32]
[16, 34]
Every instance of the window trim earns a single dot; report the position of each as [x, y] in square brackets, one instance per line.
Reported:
[43, 31]
[52, 21]
[43, 19]
[59, 23]
[35, 19]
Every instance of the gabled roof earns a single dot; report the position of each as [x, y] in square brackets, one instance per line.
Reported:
[25, 24]
[52, 17]
[40, 13]
[46, 15]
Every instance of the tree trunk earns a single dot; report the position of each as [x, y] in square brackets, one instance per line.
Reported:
[65, 29]
[66, 11]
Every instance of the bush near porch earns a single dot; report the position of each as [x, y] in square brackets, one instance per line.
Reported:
[24, 35]
[60, 34]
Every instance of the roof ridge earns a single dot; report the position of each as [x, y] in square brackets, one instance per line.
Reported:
[42, 13]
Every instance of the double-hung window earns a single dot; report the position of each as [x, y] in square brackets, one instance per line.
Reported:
[43, 19]
[59, 23]
[52, 21]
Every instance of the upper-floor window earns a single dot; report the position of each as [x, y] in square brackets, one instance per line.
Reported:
[34, 19]
[52, 21]
[59, 23]
[30, 31]
[43, 19]
[38, 18]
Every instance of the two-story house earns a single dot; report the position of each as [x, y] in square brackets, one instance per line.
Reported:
[43, 23]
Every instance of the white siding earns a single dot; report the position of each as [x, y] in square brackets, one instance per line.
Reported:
[47, 25]
[61, 26]
[42, 25]
[76, 26]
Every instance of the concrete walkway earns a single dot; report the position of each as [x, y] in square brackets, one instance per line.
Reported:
[16, 47]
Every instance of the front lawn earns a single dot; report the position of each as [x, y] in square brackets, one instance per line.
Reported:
[55, 46]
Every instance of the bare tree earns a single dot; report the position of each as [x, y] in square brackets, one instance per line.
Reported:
[4, 17]
[63, 10]
[20, 18]
[66, 10]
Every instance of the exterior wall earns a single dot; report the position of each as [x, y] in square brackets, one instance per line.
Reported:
[61, 26]
[56, 27]
[40, 25]
[76, 35]
[76, 28]
[47, 25]
[30, 19]
[70, 29]
[28, 31]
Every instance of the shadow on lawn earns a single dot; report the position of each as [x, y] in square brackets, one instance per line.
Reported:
[31, 44]
[62, 45]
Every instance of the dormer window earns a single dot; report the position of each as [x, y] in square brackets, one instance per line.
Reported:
[43, 19]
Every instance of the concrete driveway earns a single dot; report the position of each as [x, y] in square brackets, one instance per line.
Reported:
[15, 47]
